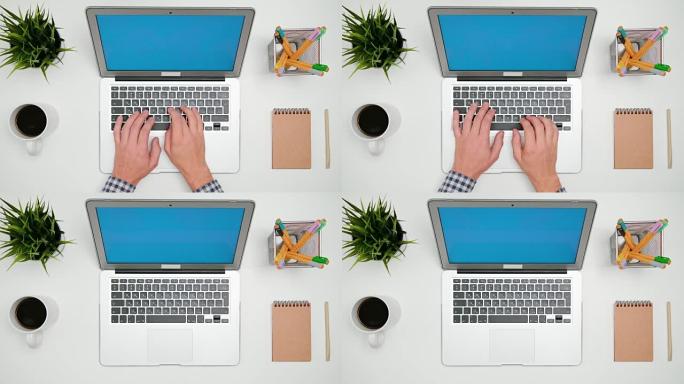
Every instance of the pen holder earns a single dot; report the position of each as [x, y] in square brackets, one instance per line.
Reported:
[638, 37]
[296, 229]
[654, 247]
[296, 37]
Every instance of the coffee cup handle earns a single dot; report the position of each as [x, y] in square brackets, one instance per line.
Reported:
[376, 339]
[34, 146]
[376, 146]
[34, 339]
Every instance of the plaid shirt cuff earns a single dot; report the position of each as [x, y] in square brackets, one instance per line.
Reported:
[114, 184]
[457, 182]
[212, 186]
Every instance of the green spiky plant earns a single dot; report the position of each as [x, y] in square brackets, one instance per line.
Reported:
[33, 232]
[375, 39]
[33, 40]
[375, 233]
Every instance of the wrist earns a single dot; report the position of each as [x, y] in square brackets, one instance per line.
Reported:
[546, 184]
[198, 177]
[466, 172]
[125, 178]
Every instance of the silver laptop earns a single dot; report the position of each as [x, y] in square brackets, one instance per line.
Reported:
[169, 286]
[511, 286]
[523, 61]
[155, 58]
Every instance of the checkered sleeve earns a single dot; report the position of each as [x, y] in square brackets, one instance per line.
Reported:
[457, 182]
[212, 186]
[114, 185]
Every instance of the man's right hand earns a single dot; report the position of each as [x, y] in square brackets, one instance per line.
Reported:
[184, 144]
[537, 155]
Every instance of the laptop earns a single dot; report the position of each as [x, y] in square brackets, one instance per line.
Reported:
[155, 58]
[523, 61]
[511, 286]
[169, 286]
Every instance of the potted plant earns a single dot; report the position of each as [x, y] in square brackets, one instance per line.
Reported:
[33, 39]
[375, 38]
[33, 233]
[375, 233]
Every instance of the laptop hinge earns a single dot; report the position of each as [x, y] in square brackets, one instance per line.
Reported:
[170, 271]
[169, 78]
[512, 78]
[513, 271]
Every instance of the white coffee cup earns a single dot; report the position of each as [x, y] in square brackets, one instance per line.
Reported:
[378, 325]
[34, 143]
[376, 142]
[33, 331]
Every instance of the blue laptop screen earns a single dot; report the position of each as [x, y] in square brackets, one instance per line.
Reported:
[512, 42]
[170, 42]
[170, 235]
[512, 235]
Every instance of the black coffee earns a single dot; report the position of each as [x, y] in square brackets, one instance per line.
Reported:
[373, 313]
[31, 120]
[31, 313]
[373, 120]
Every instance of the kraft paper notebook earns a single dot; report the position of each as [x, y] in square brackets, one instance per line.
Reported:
[633, 337]
[633, 138]
[291, 138]
[291, 331]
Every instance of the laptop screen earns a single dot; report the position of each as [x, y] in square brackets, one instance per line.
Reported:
[140, 42]
[507, 235]
[178, 235]
[486, 42]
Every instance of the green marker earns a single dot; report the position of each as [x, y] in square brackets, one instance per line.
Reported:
[659, 259]
[320, 259]
[663, 67]
[324, 68]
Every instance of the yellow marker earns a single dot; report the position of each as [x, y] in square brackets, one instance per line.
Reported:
[305, 45]
[621, 64]
[298, 257]
[644, 48]
[281, 254]
[281, 61]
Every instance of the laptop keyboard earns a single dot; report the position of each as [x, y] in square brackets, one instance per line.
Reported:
[512, 301]
[514, 101]
[169, 301]
[211, 101]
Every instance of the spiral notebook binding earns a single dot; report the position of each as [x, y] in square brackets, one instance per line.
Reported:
[291, 111]
[291, 303]
[633, 111]
[633, 303]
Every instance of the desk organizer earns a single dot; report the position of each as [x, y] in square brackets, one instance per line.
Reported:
[655, 247]
[296, 229]
[295, 37]
[638, 37]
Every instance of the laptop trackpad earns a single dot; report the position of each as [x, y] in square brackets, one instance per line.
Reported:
[511, 346]
[169, 346]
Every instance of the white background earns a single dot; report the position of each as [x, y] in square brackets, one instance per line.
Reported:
[66, 173]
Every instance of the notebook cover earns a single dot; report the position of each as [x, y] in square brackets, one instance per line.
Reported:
[633, 338]
[633, 138]
[291, 138]
[291, 331]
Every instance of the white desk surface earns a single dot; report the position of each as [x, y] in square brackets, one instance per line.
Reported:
[71, 153]
[66, 173]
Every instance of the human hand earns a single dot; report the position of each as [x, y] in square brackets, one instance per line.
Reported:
[134, 158]
[474, 154]
[184, 144]
[537, 156]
